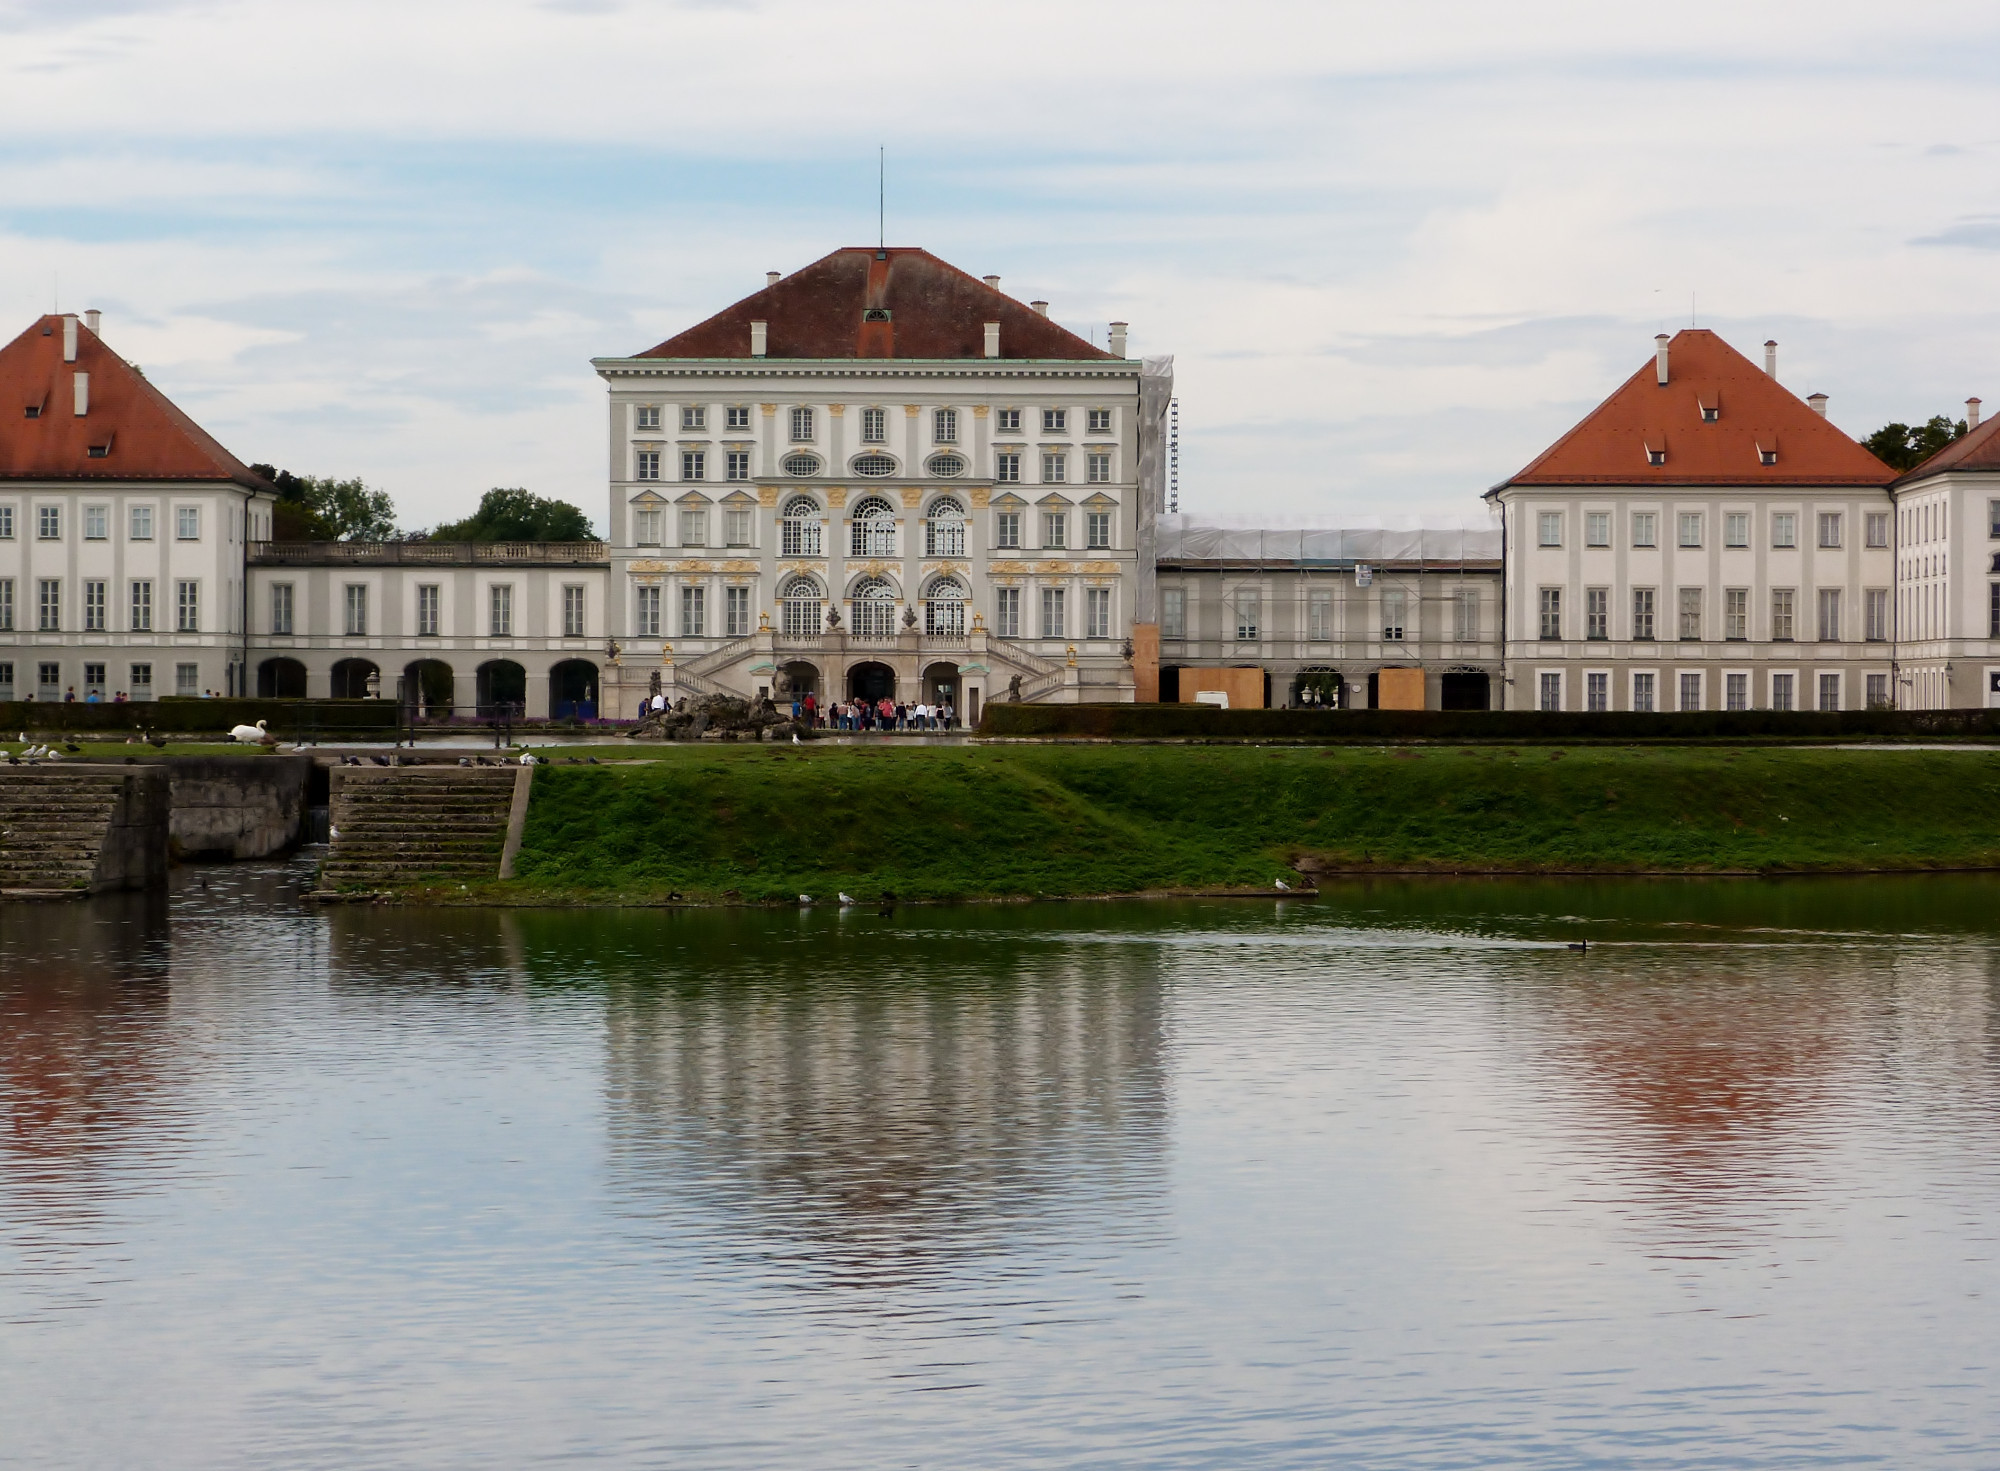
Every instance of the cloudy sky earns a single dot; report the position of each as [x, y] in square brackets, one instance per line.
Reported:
[1395, 249]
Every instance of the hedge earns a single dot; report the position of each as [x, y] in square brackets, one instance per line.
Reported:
[1206, 722]
[179, 715]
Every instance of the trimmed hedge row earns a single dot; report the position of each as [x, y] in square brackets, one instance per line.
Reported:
[1205, 722]
[182, 714]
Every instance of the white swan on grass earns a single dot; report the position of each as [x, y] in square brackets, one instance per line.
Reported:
[253, 735]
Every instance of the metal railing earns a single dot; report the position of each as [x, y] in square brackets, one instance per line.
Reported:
[428, 553]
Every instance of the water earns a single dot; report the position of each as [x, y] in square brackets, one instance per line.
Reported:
[1391, 1180]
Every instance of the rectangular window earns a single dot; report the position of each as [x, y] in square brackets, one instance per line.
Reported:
[1551, 611]
[1465, 615]
[1173, 612]
[1055, 468]
[1097, 469]
[281, 607]
[802, 424]
[1098, 421]
[1992, 611]
[187, 679]
[1690, 528]
[1552, 692]
[573, 605]
[48, 678]
[1249, 611]
[1829, 528]
[1829, 615]
[694, 528]
[1878, 691]
[500, 610]
[187, 523]
[874, 426]
[1007, 612]
[141, 682]
[1781, 692]
[1783, 606]
[648, 465]
[142, 523]
[50, 605]
[944, 425]
[1642, 615]
[93, 680]
[1876, 612]
[1736, 692]
[736, 465]
[6, 523]
[736, 416]
[736, 526]
[430, 603]
[646, 528]
[356, 622]
[187, 606]
[1784, 530]
[1597, 612]
[1054, 621]
[694, 416]
[736, 611]
[1736, 529]
[1097, 531]
[1055, 421]
[93, 605]
[48, 523]
[1055, 529]
[694, 612]
[1007, 529]
[1877, 528]
[1319, 616]
[1597, 692]
[96, 523]
[1645, 529]
[1551, 528]
[7, 603]
[1007, 421]
[1007, 466]
[1597, 528]
[1690, 611]
[646, 416]
[1690, 692]
[646, 612]
[1097, 612]
[1394, 615]
[1829, 692]
[694, 464]
[1642, 692]
[6, 679]
[142, 606]
[1736, 613]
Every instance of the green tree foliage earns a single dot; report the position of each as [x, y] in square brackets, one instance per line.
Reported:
[316, 508]
[514, 514]
[1903, 447]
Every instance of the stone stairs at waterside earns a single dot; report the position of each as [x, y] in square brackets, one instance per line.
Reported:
[415, 826]
[82, 829]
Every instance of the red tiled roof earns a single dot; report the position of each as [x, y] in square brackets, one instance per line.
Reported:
[142, 434]
[1979, 450]
[934, 310]
[1755, 413]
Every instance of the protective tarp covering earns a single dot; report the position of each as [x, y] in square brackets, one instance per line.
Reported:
[1184, 539]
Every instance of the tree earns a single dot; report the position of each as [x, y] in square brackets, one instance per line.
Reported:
[315, 508]
[515, 514]
[1902, 447]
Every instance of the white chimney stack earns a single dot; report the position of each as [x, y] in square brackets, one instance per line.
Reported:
[92, 319]
[993, 281]
[1971, 414]
[82, 394]
[1660, 356]
[772, 278]
[993, 339]
[1818, 402]
[1771, 357]
[1118, 338]
[1041, 307]
[69, 337]
[760, 333]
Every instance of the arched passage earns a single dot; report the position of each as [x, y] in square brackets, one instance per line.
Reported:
[427, 685]
[802, 678]
[502, 688]
[941, 685]
[350, 678]
[573, 690]
[281, 679]
[871, 681]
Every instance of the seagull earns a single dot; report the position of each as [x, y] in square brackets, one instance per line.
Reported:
[795, 738]
[805, 899]
[529, 758]
[465, 761]
[1283, 885]
[846, 899]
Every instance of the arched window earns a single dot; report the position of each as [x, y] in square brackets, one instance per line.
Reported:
[874, 528]
[802, 464]
[799, 529]
[874, 609]
[944, 609]
[874, 466]
[802, 606]
[944, 529]
[947, 467]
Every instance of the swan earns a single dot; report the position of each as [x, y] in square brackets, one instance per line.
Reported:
[253, 734]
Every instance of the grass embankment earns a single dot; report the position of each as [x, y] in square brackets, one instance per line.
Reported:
[755, 823]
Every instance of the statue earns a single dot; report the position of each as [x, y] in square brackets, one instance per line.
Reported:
[781, 685]
[653, 685]
[1014, 689]
[611, 650]
[909, 615]
[832, 617]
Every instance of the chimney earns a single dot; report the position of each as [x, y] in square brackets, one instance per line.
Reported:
[82, 392]
[993, 339]
[1771, 357]
[1971, 414]
[993, 281]
[1041, 307]
[69, 337]
[1660, 359]
[772, 278]
[760, 333]
[92, 320]
[1118, 338]
[1818, 402]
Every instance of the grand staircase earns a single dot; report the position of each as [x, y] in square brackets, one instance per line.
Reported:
[81, 829]
[415, 825]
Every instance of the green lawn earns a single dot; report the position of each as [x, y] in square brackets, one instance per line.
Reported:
[1000, 821]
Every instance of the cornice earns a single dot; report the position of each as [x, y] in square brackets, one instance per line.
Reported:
[881, 368]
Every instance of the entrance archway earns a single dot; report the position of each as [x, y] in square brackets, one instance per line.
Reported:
[941, 686]
[871, 681]
[573, 690]
[281, 679]
[350, 678]
[502, 688]
[1465, 689]
[427, 686]
[1318, 688]
[803, 679]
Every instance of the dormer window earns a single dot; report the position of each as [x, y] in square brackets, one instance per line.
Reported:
[34, 411]
[1767, 451]
[876, 314]
[1710, 412]
[1656, 454]
[98, 451]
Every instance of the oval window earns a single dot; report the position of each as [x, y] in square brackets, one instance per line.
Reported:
[802, 464]
[874, 465]
[947, 467]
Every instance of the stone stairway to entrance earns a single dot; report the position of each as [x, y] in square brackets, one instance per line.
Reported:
[82, 829]
[415, 825]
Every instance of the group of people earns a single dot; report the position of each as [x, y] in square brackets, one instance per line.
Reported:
[884, 714]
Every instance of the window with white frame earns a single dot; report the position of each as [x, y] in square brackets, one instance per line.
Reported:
[736, 612]
[646, 416]
[1055, 529]
[1736, 613]
[1876, 528]
[142, 605]
[1597, 692]
[1643, 608]
[802, 424]
[1097, 612]
[1319, 615]
[1551, 688]
[1690, 613]
[573, 610]
[1055, 467]
[944, 529]
[872, 609]
[1829, 528]
[1690, 690]
[1645, 529]
[1829, 615]
[96, 523]
[1173, 612]
[1736, 692]
[187, 606]
[646, 465]
[430, 603]
[874, 426]
[1829, 692]
[1465, 615]
[93, 605]
[1055, 421]
[1597, 612]
[1690, 528]
[1784, 529]
[187, 679]
[1783, 610]
[694, 464]
[1643, 687]
[1007, 421]
[944, 426]
[1395, 608]
[187, 523]
[694, 611]
[694, 526]
[646, 612]
[1097, 531]
[141, 520]
[355, 625]
[944, 609]
[1550, 529]
[1007, 530]
[6, 523]
[1551, 613]
[1007, 612]
[6, 679]
[1878, 691]
[1097, 469]
[736, 526]
[1597, 528]
[1007, 466]
[799, 529]
[6, 605]
[1736, 529]
[500, 610]
[694, 416]
[736, 416]
[646, 528]
[736, 465]
[1875, 605]
[1249, 610]
[1097, 421]
[873, 532]
[1055, 622]
[800, 608]
[48, 523]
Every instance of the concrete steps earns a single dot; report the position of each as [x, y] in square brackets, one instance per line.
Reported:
[81, 829]
[416, 825]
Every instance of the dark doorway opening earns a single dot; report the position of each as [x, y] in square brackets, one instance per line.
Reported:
[573, 690]
[1170, 683]
[428, 688]
[502, 688]
[801, 678]
[1465, 690]
[350, 679]
[281, 679]
[871, 681]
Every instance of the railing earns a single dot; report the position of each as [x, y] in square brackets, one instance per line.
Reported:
[714, 659]
[428, 553]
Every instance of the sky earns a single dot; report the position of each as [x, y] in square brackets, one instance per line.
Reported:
[1394, 250]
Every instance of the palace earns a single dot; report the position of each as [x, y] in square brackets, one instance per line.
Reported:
[882, 476]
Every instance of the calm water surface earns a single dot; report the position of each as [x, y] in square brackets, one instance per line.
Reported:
[1391, 1180]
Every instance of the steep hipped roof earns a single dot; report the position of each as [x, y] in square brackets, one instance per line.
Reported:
[833, 309]
[1614, 443]
[1979, 450]
[141, 434]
